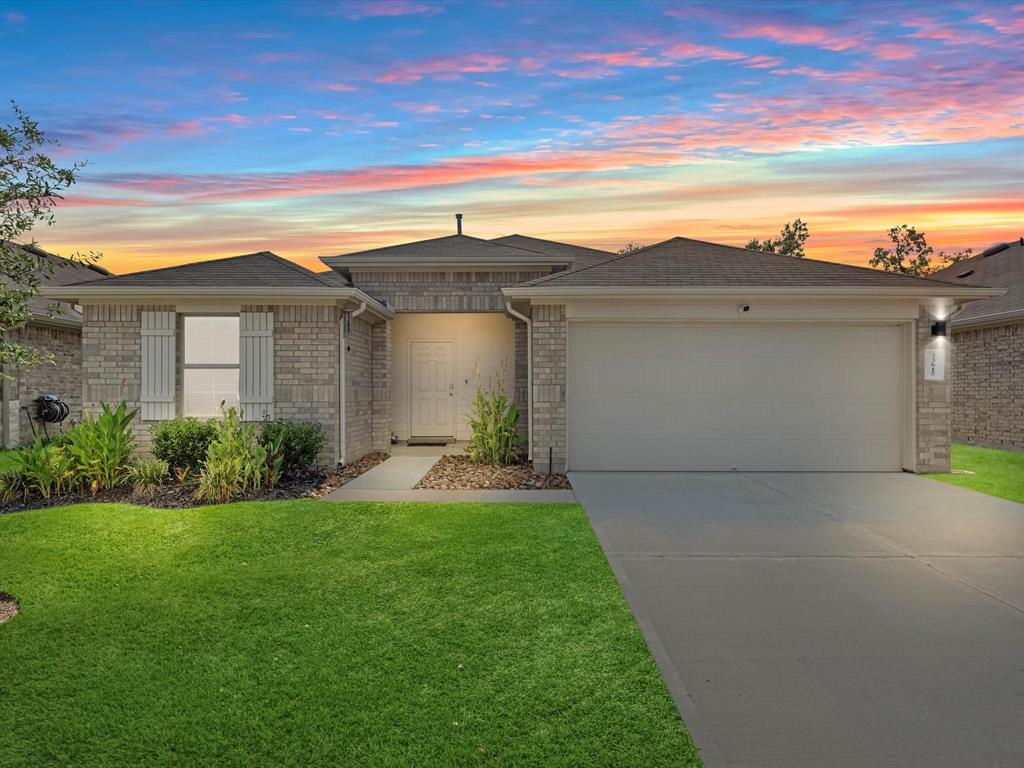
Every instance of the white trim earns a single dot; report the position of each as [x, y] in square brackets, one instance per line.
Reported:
[739, 292]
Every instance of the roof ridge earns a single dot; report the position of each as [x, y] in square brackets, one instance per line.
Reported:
[297, 267]
[547, 240]
[491, 242]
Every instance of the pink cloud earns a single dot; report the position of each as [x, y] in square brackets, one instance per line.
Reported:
[593, 72]
[894, 51]
[340, 87]
[687, 50]
[388, 8]
[282, 57]
[635, 58]
[797, 34]
[439, 66]
[189, 128]
[419, 107]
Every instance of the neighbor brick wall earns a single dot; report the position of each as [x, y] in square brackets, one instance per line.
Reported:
[934, 402]
[549, 365]
[988, 386]
[63, 377]
[441, 291]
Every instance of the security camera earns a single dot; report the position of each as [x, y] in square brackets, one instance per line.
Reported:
[745, 307]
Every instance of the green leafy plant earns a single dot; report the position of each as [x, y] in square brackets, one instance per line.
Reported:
[146, 477]
[493, 418]
[183, 443]
[301, 442]
[235, 462]
[12, 486]
[100, 449]
[275, 460]
[45, 470]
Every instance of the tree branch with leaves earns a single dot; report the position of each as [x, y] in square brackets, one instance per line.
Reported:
[30, 188]
[910, 254]
[790, 241]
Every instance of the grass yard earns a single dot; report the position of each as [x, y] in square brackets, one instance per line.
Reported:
[997, 473]
[309, 633]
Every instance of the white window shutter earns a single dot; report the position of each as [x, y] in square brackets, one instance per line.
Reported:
[256, 365]
[158, 366]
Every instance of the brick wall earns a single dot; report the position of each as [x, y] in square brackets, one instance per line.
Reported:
[441, 291]
[358, 390]
[934, 402]
[63, 377]
[381, 370]
[549, 364]
[988, 386]
[306, 343]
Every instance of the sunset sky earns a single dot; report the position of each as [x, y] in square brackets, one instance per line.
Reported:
[316, 128]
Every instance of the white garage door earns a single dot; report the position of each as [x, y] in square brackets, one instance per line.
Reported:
[721, 396]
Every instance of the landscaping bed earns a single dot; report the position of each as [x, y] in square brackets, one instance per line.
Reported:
[459, 473]
[347, 474]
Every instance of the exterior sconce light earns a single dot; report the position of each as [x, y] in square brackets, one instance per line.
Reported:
[940, 328]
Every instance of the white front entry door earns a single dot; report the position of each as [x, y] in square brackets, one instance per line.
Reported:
[432, 380]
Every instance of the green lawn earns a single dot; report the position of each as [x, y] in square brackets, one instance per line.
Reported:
[997, 473]
[309, 633]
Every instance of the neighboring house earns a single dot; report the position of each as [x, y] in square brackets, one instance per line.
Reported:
[684, 355]
[988, 381]
[57, 333]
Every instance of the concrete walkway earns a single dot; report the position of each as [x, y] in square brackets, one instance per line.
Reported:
[825, 620]
[394, 480]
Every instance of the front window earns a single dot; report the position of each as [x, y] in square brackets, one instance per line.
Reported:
[210, 365]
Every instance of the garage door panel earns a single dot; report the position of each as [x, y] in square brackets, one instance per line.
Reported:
[729, 396]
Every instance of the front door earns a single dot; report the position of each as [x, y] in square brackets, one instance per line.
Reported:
[432, 380]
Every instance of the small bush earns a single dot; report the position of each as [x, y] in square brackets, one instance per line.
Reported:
[301, 441]
[12, 486]
[183, 443]
[495, 439]
[235, 461]
[146, 476]
[46, 471]
[100, 449]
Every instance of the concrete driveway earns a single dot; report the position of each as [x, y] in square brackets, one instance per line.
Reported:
[853, 620]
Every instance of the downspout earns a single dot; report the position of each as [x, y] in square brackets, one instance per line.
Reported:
[529, 376]
[5, 403]
[342, 345]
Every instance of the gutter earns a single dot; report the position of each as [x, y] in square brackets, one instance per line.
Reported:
[5, 416]
[342, 402]
[993, 318]
[529, 376]
[674, 292]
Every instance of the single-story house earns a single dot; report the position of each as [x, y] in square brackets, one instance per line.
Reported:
[56, 332]
[685, 355]
[988, 381]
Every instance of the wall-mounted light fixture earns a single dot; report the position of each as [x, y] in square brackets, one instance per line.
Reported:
[940, 328]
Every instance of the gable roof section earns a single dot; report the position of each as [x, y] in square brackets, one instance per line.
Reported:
[255, 270]
[1003, 269]
[458, 251]
[683, 263]
[582, 256]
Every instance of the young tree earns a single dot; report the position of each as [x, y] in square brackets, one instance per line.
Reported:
[911, 254]
[30, 186]
[630, 247]
[790, 241]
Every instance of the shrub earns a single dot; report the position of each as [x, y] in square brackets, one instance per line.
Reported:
[12, 486]
[301, 442]
[146, 476]
[46, 471]
[100, 449]
[235, 461]
[493, 417]
[183, 443]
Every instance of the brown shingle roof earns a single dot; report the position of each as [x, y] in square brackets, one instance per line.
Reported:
[62, 272]
[251, 270]
[1004, 269]
[684, 262]
[583, 257]
[458, 247]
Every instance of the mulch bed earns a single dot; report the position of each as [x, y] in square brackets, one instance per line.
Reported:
[8, 606]
[175, 495]
[347, 474]
[458, 473]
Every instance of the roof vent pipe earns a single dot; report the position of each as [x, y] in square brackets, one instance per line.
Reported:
[458, 223]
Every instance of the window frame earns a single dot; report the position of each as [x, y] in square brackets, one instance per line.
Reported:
[186, 366]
